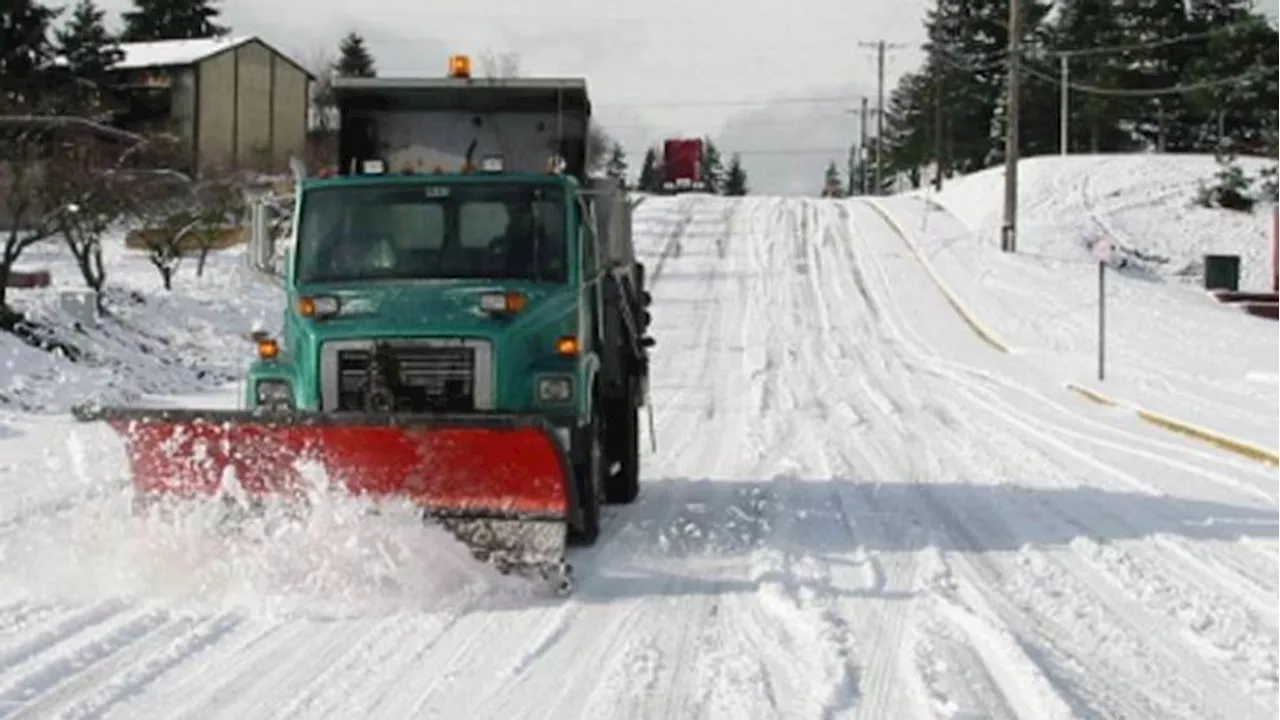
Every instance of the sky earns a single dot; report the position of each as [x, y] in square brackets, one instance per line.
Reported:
[778, 82]
[664, 68]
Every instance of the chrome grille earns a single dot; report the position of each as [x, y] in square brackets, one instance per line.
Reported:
[421, 375]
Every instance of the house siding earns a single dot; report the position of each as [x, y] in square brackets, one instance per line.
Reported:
[290, 93]
[216, 128]
[253, 107]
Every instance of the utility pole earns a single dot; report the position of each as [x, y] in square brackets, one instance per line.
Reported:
[1008, 232]
[1065, 118]
[937, 131]
[862, 148]
[881, 47]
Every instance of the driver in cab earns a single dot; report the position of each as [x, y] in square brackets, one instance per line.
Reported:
[525, 248]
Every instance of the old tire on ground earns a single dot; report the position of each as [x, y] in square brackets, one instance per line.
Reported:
[622, 487]
[588, 475]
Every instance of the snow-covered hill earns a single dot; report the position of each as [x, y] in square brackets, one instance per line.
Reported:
[1144, 203]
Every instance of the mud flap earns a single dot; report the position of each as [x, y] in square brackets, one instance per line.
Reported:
[501, 483]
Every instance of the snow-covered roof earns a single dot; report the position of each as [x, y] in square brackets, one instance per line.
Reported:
[161, 53]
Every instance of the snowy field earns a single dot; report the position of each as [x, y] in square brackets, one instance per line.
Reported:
[856, 509]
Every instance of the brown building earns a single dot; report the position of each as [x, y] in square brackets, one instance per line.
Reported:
[234, 103]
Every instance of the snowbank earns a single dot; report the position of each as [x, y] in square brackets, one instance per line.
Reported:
[154, 342]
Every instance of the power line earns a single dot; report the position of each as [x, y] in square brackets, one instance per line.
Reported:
[729, 103]
[881, 47]
[1152, 92]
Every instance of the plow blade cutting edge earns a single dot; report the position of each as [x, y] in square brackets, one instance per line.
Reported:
[501, 483]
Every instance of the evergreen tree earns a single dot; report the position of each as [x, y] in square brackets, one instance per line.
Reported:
[712, 167]
[89, 50]
[1095, 121]
[1163, 122]
[172, 20]
[25, 49]
[967, 55]
[909, 125]
[354, 58]
[831, 183]
[1038, 132]
[1238, 115]
[650, 179]
[735, 180]
[616, 165]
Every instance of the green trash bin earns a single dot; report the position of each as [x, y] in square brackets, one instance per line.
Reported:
[1221, 272]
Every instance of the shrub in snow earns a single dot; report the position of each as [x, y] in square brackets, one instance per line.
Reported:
[1230, 190]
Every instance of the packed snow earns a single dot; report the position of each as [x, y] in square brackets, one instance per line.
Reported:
[856, 508]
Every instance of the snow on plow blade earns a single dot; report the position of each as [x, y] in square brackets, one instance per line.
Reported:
[501, 483]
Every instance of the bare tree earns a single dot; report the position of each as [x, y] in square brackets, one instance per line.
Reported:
[87, 203]
[218, 208]
[22, 216]
[599, 147]
[320, 61]
[159, 205]
[504, 65]
[162, 207]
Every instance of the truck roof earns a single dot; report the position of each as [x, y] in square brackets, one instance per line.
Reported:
[567, 95]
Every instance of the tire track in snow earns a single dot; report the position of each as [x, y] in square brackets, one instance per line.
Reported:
[1121, 609]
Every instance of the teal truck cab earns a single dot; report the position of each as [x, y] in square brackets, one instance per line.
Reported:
[460, 259]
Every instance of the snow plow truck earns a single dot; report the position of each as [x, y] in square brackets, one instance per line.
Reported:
[465, 330]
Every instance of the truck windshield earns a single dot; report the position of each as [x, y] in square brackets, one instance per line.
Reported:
[432, 231]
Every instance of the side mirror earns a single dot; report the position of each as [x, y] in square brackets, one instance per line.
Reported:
[646, 317]
[281, 269]
[647, 342]
[646, 298]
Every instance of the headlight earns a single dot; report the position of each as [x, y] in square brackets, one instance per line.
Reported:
[275, 394]
[555, 389]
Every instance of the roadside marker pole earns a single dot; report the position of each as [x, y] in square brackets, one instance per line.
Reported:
[1275, 248]
[1102, 319]
[1102, 250]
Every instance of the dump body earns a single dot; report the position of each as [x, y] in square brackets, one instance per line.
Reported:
[425, 125]
[682, 165]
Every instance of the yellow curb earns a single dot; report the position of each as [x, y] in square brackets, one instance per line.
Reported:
[1218, 440]
[1222, 442]
[1092, 395]
[969, 318]
[1239, 447]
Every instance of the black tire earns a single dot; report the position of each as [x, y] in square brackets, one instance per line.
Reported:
[588, 474]
[623, 486]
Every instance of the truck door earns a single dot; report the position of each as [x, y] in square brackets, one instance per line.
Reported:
[592, 296]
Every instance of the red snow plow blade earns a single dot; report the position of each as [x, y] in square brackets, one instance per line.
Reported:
[487, 468]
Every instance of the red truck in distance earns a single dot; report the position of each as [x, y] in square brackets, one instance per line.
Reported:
[682, 166]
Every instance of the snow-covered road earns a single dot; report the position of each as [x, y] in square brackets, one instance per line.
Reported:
[856, 509]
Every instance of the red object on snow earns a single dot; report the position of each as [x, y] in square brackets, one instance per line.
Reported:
[682, 164]
[37, 279]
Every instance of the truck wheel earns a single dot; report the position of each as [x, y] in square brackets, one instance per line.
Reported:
[623, 486]
[589, 476]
